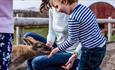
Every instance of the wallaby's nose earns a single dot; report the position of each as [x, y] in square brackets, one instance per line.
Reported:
[47, 48]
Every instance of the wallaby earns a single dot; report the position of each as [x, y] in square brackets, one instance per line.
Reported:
[20, 53]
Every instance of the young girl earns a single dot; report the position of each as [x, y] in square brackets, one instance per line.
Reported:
[6, 32]
[82, 27]
[57, 33]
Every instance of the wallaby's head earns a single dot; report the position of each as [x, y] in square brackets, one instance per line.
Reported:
[37, 45]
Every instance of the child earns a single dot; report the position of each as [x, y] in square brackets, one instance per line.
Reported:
[6, 32]
[82, 27]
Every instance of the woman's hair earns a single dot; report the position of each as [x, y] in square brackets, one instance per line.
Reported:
[45, 5]
[72, 1]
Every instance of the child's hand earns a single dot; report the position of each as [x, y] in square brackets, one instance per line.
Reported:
[53, 52]
[70, 62]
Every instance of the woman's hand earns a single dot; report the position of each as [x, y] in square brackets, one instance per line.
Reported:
[53, 52]
[70, 62]
[49, 44]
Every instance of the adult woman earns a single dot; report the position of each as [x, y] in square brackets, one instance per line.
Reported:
[56, 35]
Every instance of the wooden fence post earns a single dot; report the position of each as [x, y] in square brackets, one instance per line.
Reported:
[19, 33]
[109, 30]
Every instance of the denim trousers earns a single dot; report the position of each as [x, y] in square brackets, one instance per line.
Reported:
[42, 62]
[37, 37]
[91, 58]
[6, 40]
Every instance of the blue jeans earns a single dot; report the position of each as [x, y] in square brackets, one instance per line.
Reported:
[37, 37]
[42, 62]
[54, 63]
[91, 58]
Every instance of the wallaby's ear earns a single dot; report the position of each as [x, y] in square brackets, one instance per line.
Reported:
[26, 42]
[29, 41]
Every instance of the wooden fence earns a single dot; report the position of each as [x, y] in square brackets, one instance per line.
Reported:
[20, 22]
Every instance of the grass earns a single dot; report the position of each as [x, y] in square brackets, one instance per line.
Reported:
[39, 30]
[113, 38]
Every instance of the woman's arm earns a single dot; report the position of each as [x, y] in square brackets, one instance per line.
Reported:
[51, 34]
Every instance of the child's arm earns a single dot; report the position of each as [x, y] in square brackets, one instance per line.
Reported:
[75, 55]
[78, 49]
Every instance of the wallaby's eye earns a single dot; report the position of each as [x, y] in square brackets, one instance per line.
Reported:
[39, 45]
[36, 46]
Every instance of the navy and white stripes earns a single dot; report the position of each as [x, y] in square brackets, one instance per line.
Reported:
[83, 27]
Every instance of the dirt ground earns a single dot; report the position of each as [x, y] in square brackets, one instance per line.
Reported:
[109, 60]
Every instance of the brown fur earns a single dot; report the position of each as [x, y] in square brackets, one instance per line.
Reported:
[21, 53]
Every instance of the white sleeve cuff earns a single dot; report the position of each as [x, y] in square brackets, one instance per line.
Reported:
[78, 49]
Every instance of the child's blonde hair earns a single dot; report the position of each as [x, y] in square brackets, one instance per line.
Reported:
[63, 1]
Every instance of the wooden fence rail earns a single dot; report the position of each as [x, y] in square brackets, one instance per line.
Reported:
[20, 22]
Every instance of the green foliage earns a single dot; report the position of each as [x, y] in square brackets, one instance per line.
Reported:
[37, 29]
[113, 37]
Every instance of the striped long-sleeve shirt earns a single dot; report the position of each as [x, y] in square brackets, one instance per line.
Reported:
[58, 30]
[83, 27]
